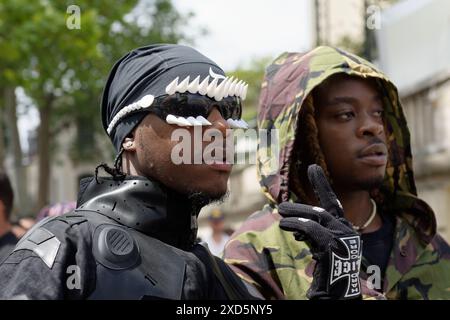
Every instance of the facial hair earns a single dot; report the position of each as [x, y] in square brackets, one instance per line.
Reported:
[201, 199]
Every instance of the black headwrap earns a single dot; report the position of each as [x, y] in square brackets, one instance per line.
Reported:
[147, 71]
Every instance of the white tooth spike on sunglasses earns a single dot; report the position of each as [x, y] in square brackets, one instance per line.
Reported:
[244, 124]
[237, 124]
[233, 124]
[184, 121]
[179, 121]
[203, 121]
[194, 121]
[241, 124]
[190, 121]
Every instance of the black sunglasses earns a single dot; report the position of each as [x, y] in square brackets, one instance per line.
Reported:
[194, 105]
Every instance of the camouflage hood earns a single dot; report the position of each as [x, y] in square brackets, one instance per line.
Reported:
[287, 83]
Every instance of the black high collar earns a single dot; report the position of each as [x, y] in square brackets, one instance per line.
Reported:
[144, 205]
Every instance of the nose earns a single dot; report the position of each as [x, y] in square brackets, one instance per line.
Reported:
[218, 122]
[370, 126]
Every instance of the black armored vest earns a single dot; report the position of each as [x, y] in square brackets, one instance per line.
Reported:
[138, 229]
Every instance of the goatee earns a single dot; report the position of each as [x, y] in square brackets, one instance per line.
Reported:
[201, 199]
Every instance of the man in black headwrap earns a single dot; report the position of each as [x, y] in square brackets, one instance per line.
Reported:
[132, 235]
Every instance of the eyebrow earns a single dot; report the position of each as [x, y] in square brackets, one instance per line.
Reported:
[349, 100]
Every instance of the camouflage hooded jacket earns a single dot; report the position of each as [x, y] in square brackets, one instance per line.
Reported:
[271, 259]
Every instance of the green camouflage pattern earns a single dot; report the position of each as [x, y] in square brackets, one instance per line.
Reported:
[281, 267]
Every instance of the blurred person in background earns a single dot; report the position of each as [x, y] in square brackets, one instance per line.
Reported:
[22, 225]
[218, 237]
[56, 209]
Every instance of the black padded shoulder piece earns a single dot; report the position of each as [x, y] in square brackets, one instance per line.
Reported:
[132, 265]
[41, 241]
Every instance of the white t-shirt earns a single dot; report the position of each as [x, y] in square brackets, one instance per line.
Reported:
[216, 248]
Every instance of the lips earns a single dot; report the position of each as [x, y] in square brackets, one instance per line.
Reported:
[375, 154]
[226, 167]
[219, 164]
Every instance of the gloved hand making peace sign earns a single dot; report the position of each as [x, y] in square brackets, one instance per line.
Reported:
[333, 242]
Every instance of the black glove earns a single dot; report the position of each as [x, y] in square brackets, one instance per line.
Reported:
[334, 244]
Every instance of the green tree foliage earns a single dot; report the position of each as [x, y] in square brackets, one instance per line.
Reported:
[253, 74]
[63, 70]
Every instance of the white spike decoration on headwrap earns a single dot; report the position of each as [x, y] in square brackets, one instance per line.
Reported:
[232, 87]
[194, 86]
[212, 88]
[203, 88]
[182, 87]
[244, 92]
[219, 91]
[227, 87]
[172, 87]
[218, 88]
[239, 86]
[215, 75]
[145, 102]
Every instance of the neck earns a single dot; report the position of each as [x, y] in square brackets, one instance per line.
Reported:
[358, 208]
[128, 165]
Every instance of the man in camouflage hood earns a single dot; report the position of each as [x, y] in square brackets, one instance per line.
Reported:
[338, 111]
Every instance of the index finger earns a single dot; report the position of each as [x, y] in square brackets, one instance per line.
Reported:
[323, 191]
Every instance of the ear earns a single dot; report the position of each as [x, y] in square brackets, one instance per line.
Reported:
[129, 144]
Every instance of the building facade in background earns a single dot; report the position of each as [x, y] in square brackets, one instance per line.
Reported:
[65, 173]
[414, 51]
[337, 20]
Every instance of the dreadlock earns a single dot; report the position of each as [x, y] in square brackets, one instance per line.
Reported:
[116, 171]
[306, 151]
